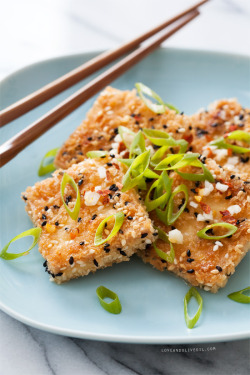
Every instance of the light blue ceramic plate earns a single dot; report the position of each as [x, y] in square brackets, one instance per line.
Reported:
[152, 301]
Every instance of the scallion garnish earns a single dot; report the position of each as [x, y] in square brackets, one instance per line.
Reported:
[239, 296]
[134, 174]
[69, 180]
[231, 230]
[137, 146]
[34, 232]
[96, 154]
[160, 106]
[168, 257]
[127, 135]
[161, 138]
[119, 218]
[171, 217]
[45, 169]
[113, 307]
[238, 135]
[190, 322]
[163, 183]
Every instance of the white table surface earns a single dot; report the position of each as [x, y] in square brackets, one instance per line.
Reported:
[34, 30]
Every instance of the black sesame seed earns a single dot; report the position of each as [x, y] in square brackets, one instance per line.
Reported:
[193, 191]
[190, 260]
[80, 182]
[218, 268]
[172, 227]
[24, 198]
[109, 164]
[182, 113]
[116, 130]
[195, 214]
[112, 156]
[130, 218]
[151, 119]
[190, 127]
[68, 199]
[143, 235]
[155, 234]
[188, 253]
[244, 160]
[59, 274]
[113, 187]
[82, 243]
[79, 219]
[241, 125]
[186, 209]
[148, 246]
[66, 228]
[197, 183]
[93, 217]
[118, 194]
[89, 138]
[163, 261]
[95, 263]
[44, 217]
[100, 137]
[190, 271]
[137, 123]
[126, 203]
[46, 208]
[45, 263]
[232, 176]
[56, 223]
[229, 196]
[106, 244]
[165, 126]
[110, 196]
[121, 231]
[241, 117]
[71, 260]
[214, 125]
[44, 223]
[246, 182]
[123, 253]
[106, 249]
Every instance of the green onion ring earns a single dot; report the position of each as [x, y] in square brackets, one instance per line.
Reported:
[145, 90]
[190, 322]
[119, 218]
[161, 184]
[202, 233]
[239, 296]
[45, 169]
[96, 154]
[69, 180]
[150, 174]
[137, 146]
[127, 135]
[235, 135]
[171, 217]
[113, 307]
[206, 175]
[138, 167]
[167, 257]
[239, 135]
[34, 232]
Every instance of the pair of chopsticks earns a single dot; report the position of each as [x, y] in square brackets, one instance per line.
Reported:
[16, 144]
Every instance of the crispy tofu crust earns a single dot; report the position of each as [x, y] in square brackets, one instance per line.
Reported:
[196, 255]
[222, 117]
[68, 245]
[112, 109]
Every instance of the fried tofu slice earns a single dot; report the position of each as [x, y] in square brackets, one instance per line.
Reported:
[206, 263]
[223, 116]
[112, 109]
[68, 245]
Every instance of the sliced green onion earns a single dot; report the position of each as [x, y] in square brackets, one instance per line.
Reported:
[158, 155]
[238, 135]
[127, 162]
[135, 173]
[96, 154]
[150, 174]
[119, 218]
[170, 106]
[167, 257]
[34, 232]
[161, 138]
[190, 322]
[231, 230]
[171, 217]
[113, 307]
[145, 90]
[45, 169]
[137, 146]
[206, 175]
[163, 183]
[239, 296]
[69, 180]
[127, 135]
[171, 159]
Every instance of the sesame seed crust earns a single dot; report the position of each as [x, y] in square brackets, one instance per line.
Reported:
[208, 269]
[75, 239]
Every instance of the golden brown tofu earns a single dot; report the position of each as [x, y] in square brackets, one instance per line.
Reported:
[222, 117]
[112, 109]
[67, 244]
[202, 262]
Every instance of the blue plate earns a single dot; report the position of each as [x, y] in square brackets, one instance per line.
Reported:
[152, 301]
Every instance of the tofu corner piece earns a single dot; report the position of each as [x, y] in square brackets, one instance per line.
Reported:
[207, 264]
[68, 245]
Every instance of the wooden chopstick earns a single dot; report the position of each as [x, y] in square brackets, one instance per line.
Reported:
[13, 146]
[48, 91]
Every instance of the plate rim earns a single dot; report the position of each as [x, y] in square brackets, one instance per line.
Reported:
[112, 337]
